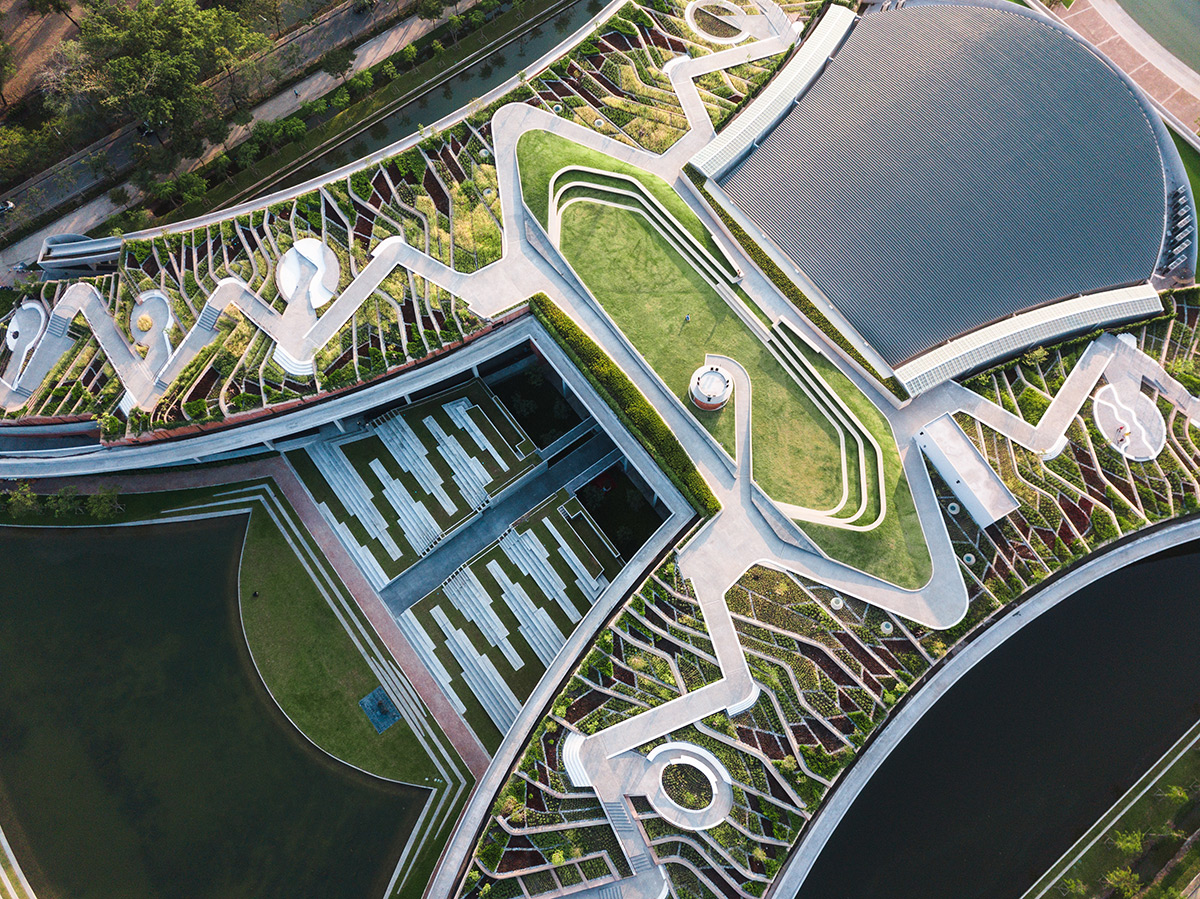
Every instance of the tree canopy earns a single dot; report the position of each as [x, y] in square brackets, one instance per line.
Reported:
[151, 61]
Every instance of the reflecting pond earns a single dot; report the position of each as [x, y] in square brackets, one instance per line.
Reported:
[1030, 747]
[140, 755]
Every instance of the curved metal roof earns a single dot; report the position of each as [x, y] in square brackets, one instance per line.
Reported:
[954, 165]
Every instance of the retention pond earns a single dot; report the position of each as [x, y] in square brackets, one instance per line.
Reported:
[1030, 747]
[140, 755]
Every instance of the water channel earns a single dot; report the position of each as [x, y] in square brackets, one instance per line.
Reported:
[1030, 747]
[458, 92]
[140, 755]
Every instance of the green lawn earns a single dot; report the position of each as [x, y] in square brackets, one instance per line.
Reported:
[309, 663]
[896, 549]
[1191, 160]
[305, 656]
[797, 454]
[648, 289]
[541, 154]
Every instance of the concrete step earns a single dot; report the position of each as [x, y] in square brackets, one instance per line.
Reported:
[208, 317]
[57, 326]
[618, 817]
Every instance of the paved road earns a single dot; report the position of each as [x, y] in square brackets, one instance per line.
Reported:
[428, 573]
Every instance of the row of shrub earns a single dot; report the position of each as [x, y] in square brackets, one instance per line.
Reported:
[627, 401]
[981, 380]
[788, 287]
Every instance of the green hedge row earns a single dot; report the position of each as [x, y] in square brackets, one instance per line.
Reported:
[788, 287]
[627, 401]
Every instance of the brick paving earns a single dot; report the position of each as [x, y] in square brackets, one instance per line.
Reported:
[1156, 72]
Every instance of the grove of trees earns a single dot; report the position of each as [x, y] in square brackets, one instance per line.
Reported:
[149, 62]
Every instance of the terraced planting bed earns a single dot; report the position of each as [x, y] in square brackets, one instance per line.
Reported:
[414, 475]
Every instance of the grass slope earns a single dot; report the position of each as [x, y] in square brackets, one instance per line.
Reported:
[541, 154]
[648, 289]
[1191, 160]
[309, 663]
[895, 550]
[797, 456]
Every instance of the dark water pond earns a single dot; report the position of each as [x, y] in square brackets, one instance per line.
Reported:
[1024, 753]
[472, 82]
[140, 755]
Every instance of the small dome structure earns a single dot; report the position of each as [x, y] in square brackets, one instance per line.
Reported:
[711, 388]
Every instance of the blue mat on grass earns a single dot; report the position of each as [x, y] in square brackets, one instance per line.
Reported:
[380, 710]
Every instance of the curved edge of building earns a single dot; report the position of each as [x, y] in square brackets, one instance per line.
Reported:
[1003, 338]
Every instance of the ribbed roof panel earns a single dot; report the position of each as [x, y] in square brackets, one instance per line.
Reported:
[954, 165]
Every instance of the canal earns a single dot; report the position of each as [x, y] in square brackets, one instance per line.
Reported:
[1030, 747]
[140, 755]
[458, 92]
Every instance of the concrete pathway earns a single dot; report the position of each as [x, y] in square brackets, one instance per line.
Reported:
[134, 371]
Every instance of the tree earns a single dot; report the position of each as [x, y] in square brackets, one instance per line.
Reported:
[437, 48]
[1035, 356]
[456, 23]
[46, 7]
[557, 857]
[8, 68]
[151, 61]
[64, 502]
[361, 83]
[338, 62]
[429, 9]
[22, 501]
[1075, 887]
[408, 54]
[104, 504]
[1124, 882]
[1129, 843]
[189, 188]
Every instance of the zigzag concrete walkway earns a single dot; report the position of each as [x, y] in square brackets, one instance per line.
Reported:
[1114, 358]
[135, 373]
[940, 603]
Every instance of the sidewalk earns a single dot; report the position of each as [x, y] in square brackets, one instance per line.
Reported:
[58, 190]
[1122, 40]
